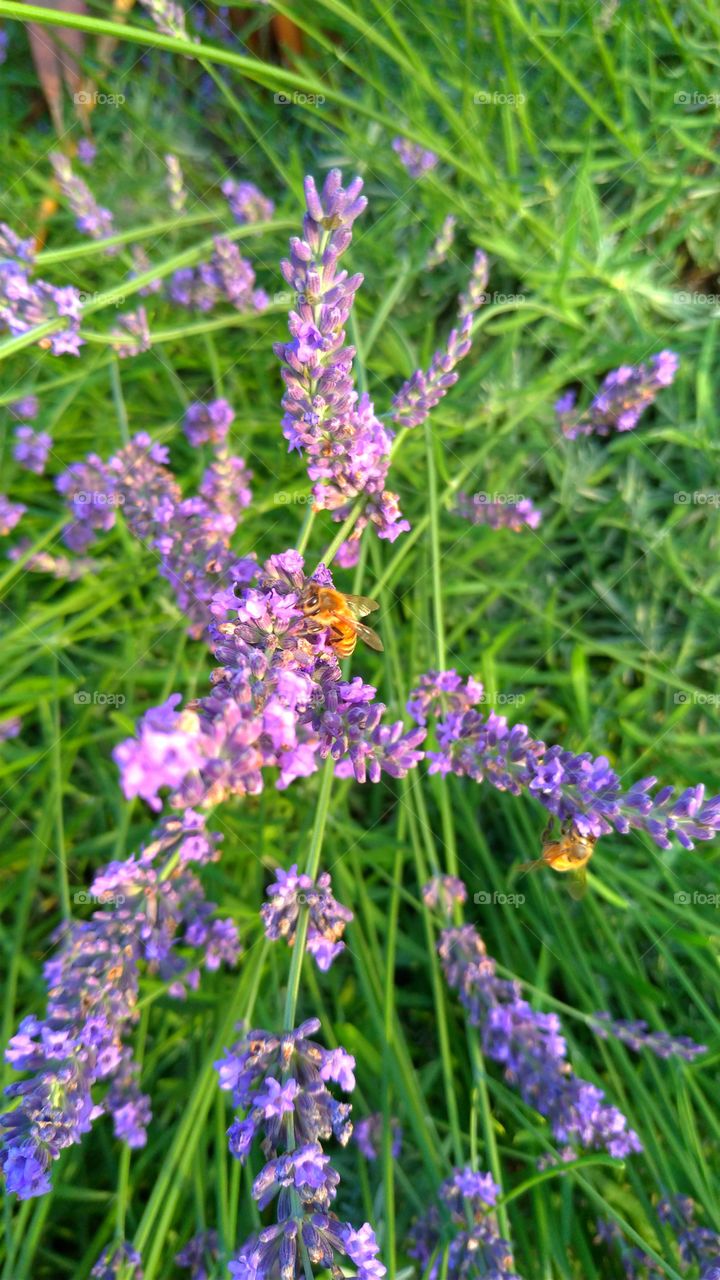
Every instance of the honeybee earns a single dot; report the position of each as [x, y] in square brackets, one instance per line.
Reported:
[340, 614]
[570, 851]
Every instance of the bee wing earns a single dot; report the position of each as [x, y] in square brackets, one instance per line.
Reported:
[360, 605]
[577, 883]
[531, 866]
[371, 638]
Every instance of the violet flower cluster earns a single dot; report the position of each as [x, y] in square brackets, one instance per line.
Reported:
[227, 277]
[458, 1237]
[368, 1134]
[118, 1260]
[278, 701]
[531, 1050]
[622, 399]
[697, 1246]
[131, 333]
[416, 160]
[479, 508]
[443, 894]
[281, 1083]
[25, 304]
[637, 1036]
[11, 513]
[190, 536]
[31, 449]
[423, 391]
[582, 787]
[160, 920]
[327, 917]
[90, 218]
[247, 202]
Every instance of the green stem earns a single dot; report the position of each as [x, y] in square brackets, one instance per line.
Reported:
[311, 869]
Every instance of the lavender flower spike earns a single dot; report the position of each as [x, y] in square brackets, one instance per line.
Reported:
[623, 398]
[443, 244]
[459, 1237]
[531, 1049]
[281, 1082]
[31, 449]
[90, 218]
[582, 788]
[637, 1036]
[328, 917]
[481, 509]
[423, 391]
[175, 183]
[417, 160]
[347, 446]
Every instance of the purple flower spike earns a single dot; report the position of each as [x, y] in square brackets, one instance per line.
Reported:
[347, 446]
[480, 509]
[90, 218]
[417, 160]
[208, 423]
[531, 1050]
[623, 398]
[288, 895]
[459, 1237]
[31, 449]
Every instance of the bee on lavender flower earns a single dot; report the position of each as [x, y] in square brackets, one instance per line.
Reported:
[570, 851]
[326, 608]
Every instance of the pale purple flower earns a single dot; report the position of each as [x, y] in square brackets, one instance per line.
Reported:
[10, 728]
[247, 203]
[480, 508]
[86, 151]
[638, 1036]
[293, 892]
[90, 218]
[623, 398]
[458, 1237]
[169, 17]
[164, 751]
[423, 391]
[31, 449]
[208, 423]
[200, 1255]
[416, 159]
[443, 244]
[474, 296]
[131, 333]
[443, 894]
[26, 304]
[368, 1134]
[118, 1260]
[13, 248]
[10, 514]
[26, 409]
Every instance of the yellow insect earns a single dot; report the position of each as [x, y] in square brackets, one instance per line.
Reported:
[570, 851]
[328, 609]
